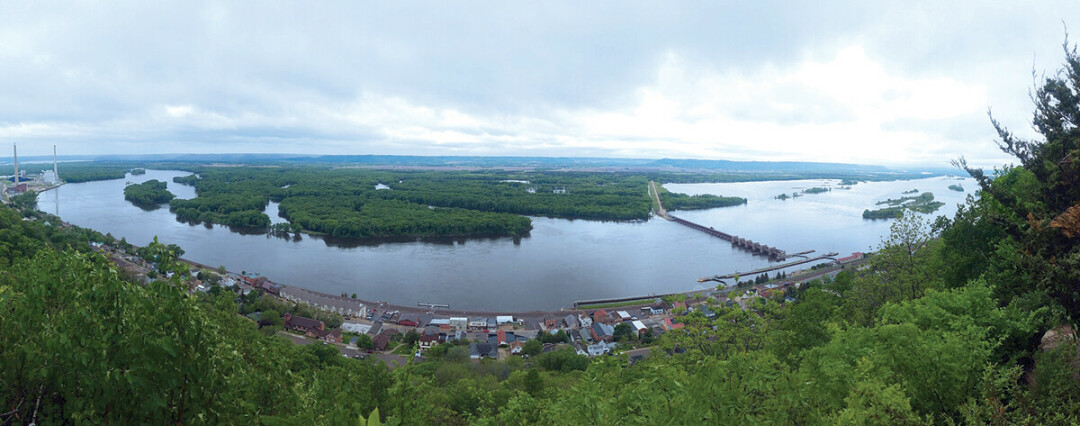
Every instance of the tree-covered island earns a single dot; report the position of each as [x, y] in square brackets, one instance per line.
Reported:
[149, 193]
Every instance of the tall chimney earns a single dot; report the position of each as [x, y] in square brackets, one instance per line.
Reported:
[15, 149]
[55, 170]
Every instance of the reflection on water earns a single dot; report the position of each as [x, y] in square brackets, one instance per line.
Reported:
[559, 262]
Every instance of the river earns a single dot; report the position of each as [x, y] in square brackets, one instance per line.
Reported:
[559, 262]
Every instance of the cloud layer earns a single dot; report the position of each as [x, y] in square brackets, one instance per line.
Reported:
[884, 83]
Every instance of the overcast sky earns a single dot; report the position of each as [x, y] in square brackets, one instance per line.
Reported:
[889, 83]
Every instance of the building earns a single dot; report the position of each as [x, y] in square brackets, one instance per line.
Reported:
[623, 316]
[854, 256]
[601, 348]
[428, 341]
[504, 319]
[668, 324]
[478, 323]
[602, 332]
[382, 340]
[601, 316]
[585, 320]
[571, 321]
[331, 336]
[459, 323]
[306, 326]
[482, 350]
[355, 327]
[639, 327]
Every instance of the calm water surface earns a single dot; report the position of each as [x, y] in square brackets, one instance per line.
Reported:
[559, 262]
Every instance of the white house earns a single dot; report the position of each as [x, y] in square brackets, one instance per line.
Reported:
[479, 322]
[585, 319]
[459, 323]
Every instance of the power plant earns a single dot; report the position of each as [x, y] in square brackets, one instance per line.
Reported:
[21, 183]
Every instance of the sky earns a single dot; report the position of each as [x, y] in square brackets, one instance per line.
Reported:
[884, 82]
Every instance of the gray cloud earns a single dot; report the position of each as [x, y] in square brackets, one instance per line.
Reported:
[509, 78]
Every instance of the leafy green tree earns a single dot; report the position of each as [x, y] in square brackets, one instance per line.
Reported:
[532, 347]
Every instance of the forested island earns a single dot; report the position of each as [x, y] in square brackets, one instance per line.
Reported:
[956, 187]
[677, 201]
[364, 203]
[149, 193]
[922, 203]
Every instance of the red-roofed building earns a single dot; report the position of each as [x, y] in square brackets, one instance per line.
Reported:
[678, 305]
[671, 325]
[602, 316]
[501, 337]
[854, 256]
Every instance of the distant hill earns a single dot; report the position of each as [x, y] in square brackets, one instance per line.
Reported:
[599, 163]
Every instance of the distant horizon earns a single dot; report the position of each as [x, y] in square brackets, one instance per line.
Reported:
[28, 159]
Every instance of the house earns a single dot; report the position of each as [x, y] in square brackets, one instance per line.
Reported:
[623, 316]
[602, 332]
[504, 319]
[306, 326]
[655, 309]
[515, 348]
[601, 316]
[551, 324]
[639, 327]
[575, 335]
[585, 320]
[671, 325]
[478, 323]
[571, 321]
[500, 337]
[679, 305]
[601, 348]
[332, 336]
[382, 339]
[408, 323]
[706, 311]
[482, 350]
[428, 341]
[459, 323]
[355, 327]
[440, 322]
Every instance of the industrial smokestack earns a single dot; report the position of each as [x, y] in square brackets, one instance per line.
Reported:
[15, 149]
[55, 170]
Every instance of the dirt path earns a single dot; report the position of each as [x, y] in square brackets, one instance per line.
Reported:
[655, 192]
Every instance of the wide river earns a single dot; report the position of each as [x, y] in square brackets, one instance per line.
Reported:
[559, 262]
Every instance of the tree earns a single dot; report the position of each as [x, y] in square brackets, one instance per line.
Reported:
[623, 332]
[532, 347]
[364, 341]
[411, 337]
[903, 268]
[25, 201]
[1037, 205]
